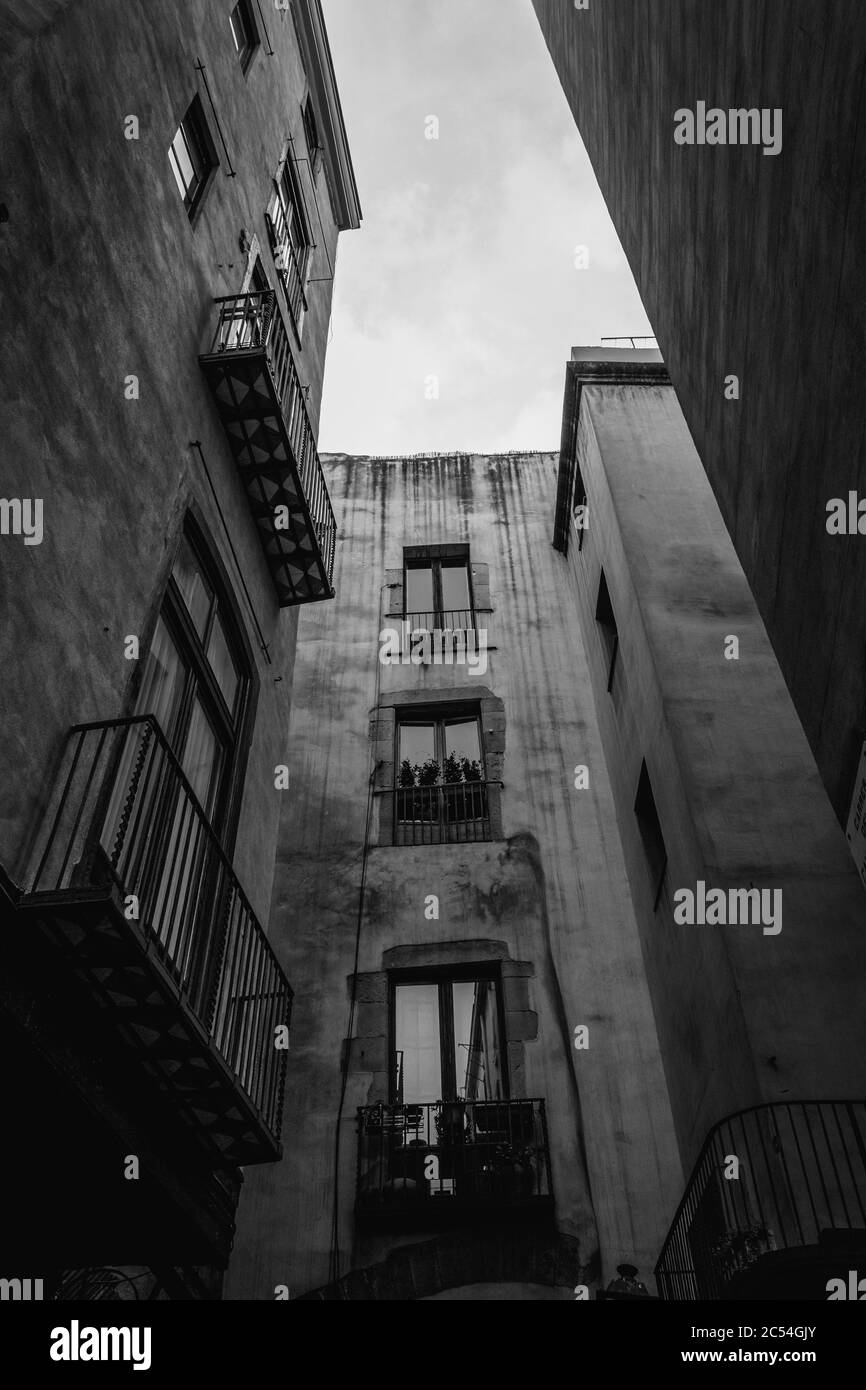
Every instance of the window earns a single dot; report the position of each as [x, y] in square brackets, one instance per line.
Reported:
[311, 132]
[651, 833]
[244, 32]
[192, 157]
[441, 792]
[196, 680]
[438, 590]
[607, 624]
[578, 512]
[447, 1038]
[291, 241]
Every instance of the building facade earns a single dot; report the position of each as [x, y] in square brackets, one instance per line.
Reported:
[177, 176]
[728, 143]
[513, 1061]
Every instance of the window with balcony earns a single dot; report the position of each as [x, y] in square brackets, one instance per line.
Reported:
[450, 1140]
[438, 588]
[291, 240]
[192, 157]
[244, 32]
[441, 794]
[607, 626]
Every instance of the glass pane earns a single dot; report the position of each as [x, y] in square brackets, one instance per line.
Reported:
[185, 172]
[202, 759]
[193, 587]
[461, 739]
[175, 169]
[476, 1040]
[222, 663]
[163, 682]
[416, 1012]
[455, 588]
[417, 743]
[236, 19]
[419, 590]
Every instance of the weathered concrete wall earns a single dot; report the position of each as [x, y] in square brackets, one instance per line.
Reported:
[104, 276]
[742, 1016]
[752, 265]
[550, 898]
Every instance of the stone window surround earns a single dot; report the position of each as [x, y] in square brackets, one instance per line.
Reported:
[384, 733]
[369, 1049]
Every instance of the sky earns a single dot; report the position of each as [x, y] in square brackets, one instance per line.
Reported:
[457, 303]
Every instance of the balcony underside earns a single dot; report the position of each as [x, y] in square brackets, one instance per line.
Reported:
[409, 1212]
[245, 395]
[140, 993]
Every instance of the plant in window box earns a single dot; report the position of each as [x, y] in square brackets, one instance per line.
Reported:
[735, 1250]
[452, 776]
[426, 799]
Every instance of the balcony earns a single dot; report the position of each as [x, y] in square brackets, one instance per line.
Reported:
[132, 885]
[444, 813]
[792, 1218]
[252, 376]
[433, 1164]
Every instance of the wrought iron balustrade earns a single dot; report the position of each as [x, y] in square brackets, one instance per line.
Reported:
[444, 813]
[250, 368]
[442, 620]
[453, 1156]
[124, 817]
[802, 1173]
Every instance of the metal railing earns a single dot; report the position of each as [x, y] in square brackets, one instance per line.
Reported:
[801, 1171]
[476, 1152]
[124, 813]
[253, 323]
[289, 270]
[628, 340]
[445, 620]
[445, 813]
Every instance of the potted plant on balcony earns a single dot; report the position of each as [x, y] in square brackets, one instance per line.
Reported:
[738, 1248]
[510, 1171]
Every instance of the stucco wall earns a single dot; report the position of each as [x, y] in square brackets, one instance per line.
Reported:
[552, 893]
[751, 265]
[104, 277]
[742, 1016]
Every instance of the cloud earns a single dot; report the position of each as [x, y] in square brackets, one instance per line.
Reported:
[464, 268]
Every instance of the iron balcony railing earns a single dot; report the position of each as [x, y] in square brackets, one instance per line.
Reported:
[801, 1171]
[125, 814]
[445, 813]
[477, 1153]
[253, 322]
[289, 271]
[443, 620]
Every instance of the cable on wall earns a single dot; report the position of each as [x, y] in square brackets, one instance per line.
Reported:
[334, 1269]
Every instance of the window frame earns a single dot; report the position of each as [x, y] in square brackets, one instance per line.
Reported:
[444, 977]
[650, 830]
[233, 727]
[606, 619]
[311, 134]
[288, 194]
[436, 562]
[195, 132]
[441, 716]
[245, 55]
